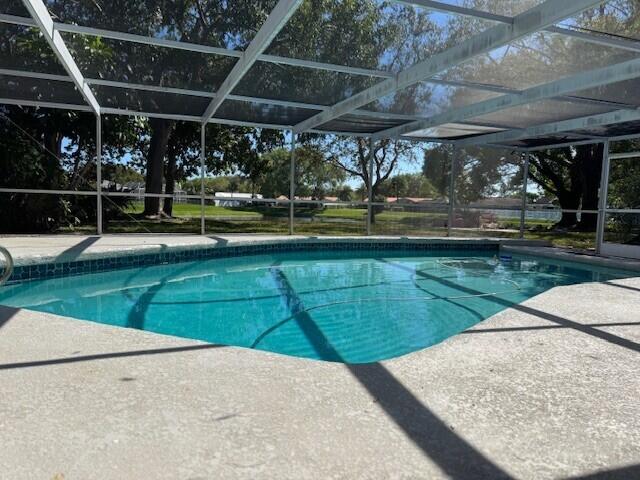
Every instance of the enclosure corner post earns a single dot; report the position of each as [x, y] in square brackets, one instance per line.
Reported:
[370, 186]
[525, 181]
[292, 183]
[602, 198]
[452, 186]
[203, 144]
[99, 174]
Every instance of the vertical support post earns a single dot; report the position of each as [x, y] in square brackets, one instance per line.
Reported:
[525, 181]
[292, 183]
[602, 198]
[99, 173]
[203, 144]
[452, 190]
[370, 187]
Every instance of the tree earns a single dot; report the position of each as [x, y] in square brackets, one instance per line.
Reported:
[344, 193]
[408, 185]
[351, 155]
[572, 175]
[480, 172]
[223, 24]
[51, 150]
[315, 176]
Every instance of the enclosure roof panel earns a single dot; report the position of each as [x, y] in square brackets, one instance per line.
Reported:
[456, 70]
[228, 24]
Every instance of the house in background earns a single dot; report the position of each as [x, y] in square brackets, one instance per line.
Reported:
[234, 199]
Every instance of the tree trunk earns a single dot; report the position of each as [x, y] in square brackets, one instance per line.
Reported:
[53, 144]
[170, 188]
[568, 219]
[570, 197]
[160, 131]
[590, 160]
[375, 209]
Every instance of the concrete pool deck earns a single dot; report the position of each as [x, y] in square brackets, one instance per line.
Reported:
[546, 389]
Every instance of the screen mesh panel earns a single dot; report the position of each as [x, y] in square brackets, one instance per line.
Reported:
[230, 24]
[536, 113]
[149, 65]
[541, 142]
[616, 18]
[508, 8]
[372, 34]
[263, 113]
[627, 92]
[360, 124]
[452, 131]
[35, 89]
[539, 58]
[428, 99]
[13, 7]
[613, 130]
[299, 84]
[151, 102]
[24, 48]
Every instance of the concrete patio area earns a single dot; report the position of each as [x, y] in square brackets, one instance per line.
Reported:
[548, 389]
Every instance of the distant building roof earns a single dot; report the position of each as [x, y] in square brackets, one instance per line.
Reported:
[237, 195]
[414, 200]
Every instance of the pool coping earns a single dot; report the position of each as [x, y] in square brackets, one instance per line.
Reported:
[71, 262]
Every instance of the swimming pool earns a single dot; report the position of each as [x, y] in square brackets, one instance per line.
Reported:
[342, 306]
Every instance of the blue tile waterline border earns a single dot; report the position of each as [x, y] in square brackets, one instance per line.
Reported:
[43, 271]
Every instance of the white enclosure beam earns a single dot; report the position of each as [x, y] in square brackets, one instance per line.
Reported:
[372, 154]
[99, 174]
[292, 183]
[549, 129]
[603, 193]
[203, 171]
[452, 191]
[276, 20]
[43, 20]
[538, 17]
[525, 181]
[591, 79]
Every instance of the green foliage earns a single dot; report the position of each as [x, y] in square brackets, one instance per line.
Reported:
[408, 185]
[480, 172]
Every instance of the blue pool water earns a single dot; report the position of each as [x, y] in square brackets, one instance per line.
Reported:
[352, 307]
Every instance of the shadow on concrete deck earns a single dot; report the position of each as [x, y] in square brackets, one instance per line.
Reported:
[107, 356]
[452, 453]
[623, 473]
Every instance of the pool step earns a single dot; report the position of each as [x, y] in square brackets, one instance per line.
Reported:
[8, 270]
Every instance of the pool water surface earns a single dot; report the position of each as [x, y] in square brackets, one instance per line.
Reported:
[352, 307]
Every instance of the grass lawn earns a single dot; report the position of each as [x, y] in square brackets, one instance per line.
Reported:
[330, 221]
[192, 210]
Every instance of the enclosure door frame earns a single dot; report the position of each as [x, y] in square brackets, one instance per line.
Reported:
[610, 248]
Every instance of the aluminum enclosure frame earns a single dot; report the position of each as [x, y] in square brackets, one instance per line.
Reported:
[539, 18]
